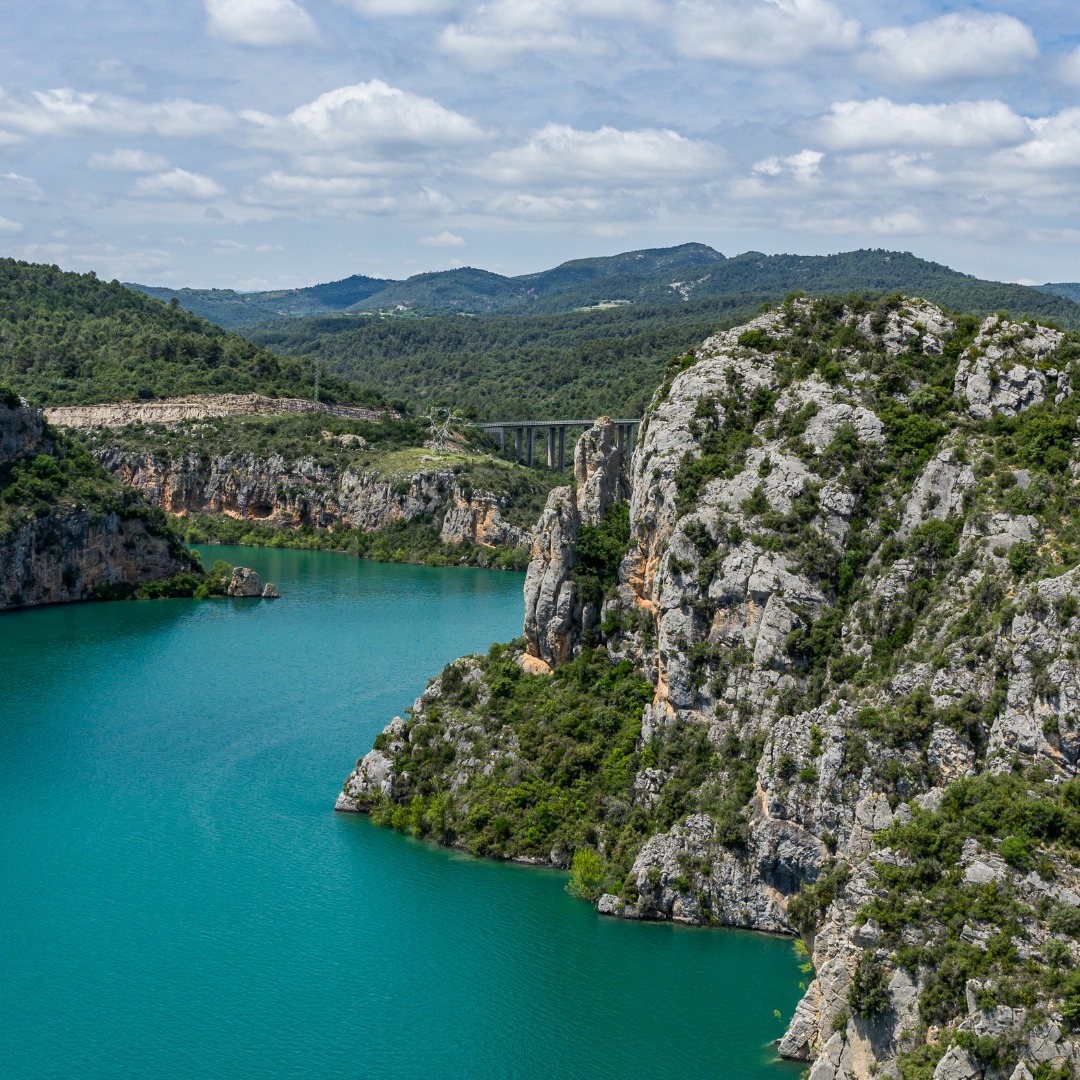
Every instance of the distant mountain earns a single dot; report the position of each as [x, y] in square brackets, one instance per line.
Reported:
[653, 277]
[233, 310]
[1068, 289]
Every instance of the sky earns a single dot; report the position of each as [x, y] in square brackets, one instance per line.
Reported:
[257, 144]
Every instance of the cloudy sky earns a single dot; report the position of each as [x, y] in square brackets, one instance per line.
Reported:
[268, 143]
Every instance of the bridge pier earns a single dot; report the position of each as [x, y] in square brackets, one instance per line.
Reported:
[524, 433]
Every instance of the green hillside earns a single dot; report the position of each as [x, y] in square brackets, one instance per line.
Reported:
[502, 367]
[651, 277]
[68, 339]
[234, 310]
[1069, 289]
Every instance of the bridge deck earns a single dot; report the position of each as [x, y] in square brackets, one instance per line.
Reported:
[524, 432]
[494, 425]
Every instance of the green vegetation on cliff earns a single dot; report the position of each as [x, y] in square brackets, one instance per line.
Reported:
[852, 584]
[62, 477]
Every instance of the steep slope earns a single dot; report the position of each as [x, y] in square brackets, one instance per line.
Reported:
[832, 687]
[68, 339]
[68, 531]
[315, 480]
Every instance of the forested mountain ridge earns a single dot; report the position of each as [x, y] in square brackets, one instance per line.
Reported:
[68, 339]
[1069, 289]
[235, 310]
[655, 276]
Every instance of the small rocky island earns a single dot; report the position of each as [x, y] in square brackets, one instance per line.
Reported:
[808, 664]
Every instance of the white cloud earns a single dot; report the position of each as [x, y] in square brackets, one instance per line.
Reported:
[495, 33]
[403, 8]
[65, 111]
[178, 184]
[1055, 143]
[15, 185]
[375, 113]
[129, 161]
[627, 159]
[9, 227]
[879, 123]
[1069, 68]
[761, 33]
[548, 208]
[443, 240]
[261, 23]
[803, 166]
[970, 44]
[234, 247]
[898, 223]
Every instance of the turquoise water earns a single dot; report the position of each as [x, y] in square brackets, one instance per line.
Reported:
[177, 898]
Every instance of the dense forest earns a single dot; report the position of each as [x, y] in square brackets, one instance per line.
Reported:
[69, 339]
[508, 367]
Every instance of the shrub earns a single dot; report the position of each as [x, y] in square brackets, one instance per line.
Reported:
[869, 993]
[586, 875]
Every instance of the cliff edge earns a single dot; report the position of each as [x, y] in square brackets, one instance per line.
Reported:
[829, 685]
[67, 530]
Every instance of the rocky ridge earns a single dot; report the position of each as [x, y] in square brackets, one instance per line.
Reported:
[851, 588]
[289, 493]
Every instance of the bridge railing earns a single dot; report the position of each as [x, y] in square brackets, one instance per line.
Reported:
[523, 433]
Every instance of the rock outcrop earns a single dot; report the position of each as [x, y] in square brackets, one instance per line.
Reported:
[244, 583]
[63, 542]
[853, 588]
[555, 616]
[289, 493]
[22, 430]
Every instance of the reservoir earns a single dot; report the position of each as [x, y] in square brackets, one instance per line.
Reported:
[179, 900]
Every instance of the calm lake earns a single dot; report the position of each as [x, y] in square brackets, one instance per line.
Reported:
[179, 900]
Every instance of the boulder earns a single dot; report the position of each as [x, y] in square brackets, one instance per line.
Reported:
[245, 582]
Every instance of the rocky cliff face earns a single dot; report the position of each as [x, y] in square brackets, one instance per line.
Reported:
[555, 614]
[71, 555]
[68, 532]
[22, 430]
[285, 493]
[853, 587]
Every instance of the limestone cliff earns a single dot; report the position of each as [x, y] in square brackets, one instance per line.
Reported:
[285, 493]
[67, 531]
[852, 591]
[555, 614]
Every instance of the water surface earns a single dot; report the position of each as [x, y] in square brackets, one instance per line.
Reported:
[180, 901]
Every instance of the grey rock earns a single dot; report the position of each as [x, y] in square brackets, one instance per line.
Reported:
[244, 582]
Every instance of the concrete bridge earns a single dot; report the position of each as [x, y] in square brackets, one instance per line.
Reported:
[524, 434]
